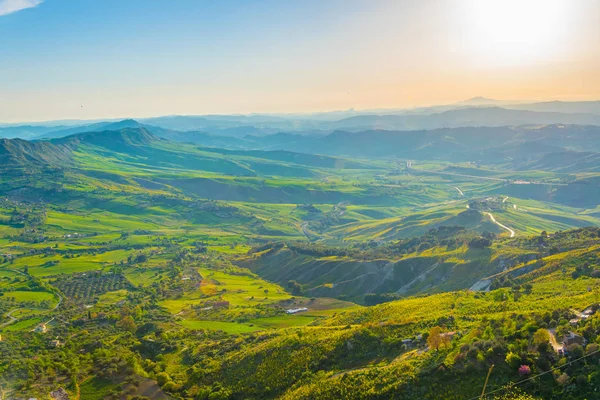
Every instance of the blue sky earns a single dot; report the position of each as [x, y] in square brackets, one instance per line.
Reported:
[122, 58]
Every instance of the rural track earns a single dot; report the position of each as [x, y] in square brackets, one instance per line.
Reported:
[553, 342]
[305, 230]
[512, 233]
[16, 271]
[12, 319]
[60, 299]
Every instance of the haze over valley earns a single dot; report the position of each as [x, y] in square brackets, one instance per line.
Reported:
[249, 200]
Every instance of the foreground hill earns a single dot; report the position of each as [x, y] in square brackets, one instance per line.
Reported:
[445, 259]
[223, 333]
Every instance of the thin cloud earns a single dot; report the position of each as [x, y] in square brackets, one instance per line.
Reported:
[11, 6]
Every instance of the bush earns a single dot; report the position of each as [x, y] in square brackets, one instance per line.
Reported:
[513, 360]
[591, 348]
[524, 370]
[575, 350]
[563, 379]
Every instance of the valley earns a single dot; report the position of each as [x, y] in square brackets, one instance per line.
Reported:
[135, 261]
[299, 200]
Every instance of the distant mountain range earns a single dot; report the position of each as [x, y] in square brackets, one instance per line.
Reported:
[490, 145]
[475, 112]
[557, 147]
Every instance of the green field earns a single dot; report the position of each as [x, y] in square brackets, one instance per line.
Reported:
[23, 326]
[20, 296]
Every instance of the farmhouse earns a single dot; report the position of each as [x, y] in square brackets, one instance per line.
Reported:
[296, 310]
[572, 338]
[588, 312]
[41, 328]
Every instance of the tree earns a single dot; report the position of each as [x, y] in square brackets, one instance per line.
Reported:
[162, 378]
[591, 348]
[575, 350]
[541, 336]
[512, 359]
[524, 370]
[563, 379]
[127, 323]
[295, 288]
[436, 339]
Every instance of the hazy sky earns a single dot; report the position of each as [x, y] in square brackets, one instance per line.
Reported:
[135, 58]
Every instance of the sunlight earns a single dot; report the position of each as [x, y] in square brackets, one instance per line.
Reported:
[516, 32]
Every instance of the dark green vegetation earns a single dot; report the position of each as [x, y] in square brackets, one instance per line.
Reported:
[133, 264]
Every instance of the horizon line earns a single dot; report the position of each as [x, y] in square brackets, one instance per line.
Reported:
[462, 103]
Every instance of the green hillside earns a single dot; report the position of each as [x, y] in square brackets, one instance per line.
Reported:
[132, 264]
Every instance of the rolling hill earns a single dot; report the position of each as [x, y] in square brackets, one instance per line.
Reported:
[278, 271]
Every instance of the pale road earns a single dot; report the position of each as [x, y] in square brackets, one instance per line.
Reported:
[512, 233]
[553, 342]
[11, 318]
[459, 191]
[60, 299]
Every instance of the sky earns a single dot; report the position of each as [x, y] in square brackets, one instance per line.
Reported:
[91, 59]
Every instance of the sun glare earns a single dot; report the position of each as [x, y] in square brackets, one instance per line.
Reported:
[515, 32]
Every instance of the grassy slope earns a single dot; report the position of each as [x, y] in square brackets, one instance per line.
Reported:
[116, 204]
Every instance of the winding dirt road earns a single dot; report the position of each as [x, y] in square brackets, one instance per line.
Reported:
[553, 342]
[512, 233]
[11, 318]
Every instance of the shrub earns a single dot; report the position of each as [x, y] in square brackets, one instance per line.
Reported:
[563, 379]
[512, 359]
[524, 370]
[575, 350]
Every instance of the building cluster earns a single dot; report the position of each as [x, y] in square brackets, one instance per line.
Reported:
[296, 310]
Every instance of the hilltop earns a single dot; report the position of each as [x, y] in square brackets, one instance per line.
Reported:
[22, 153]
